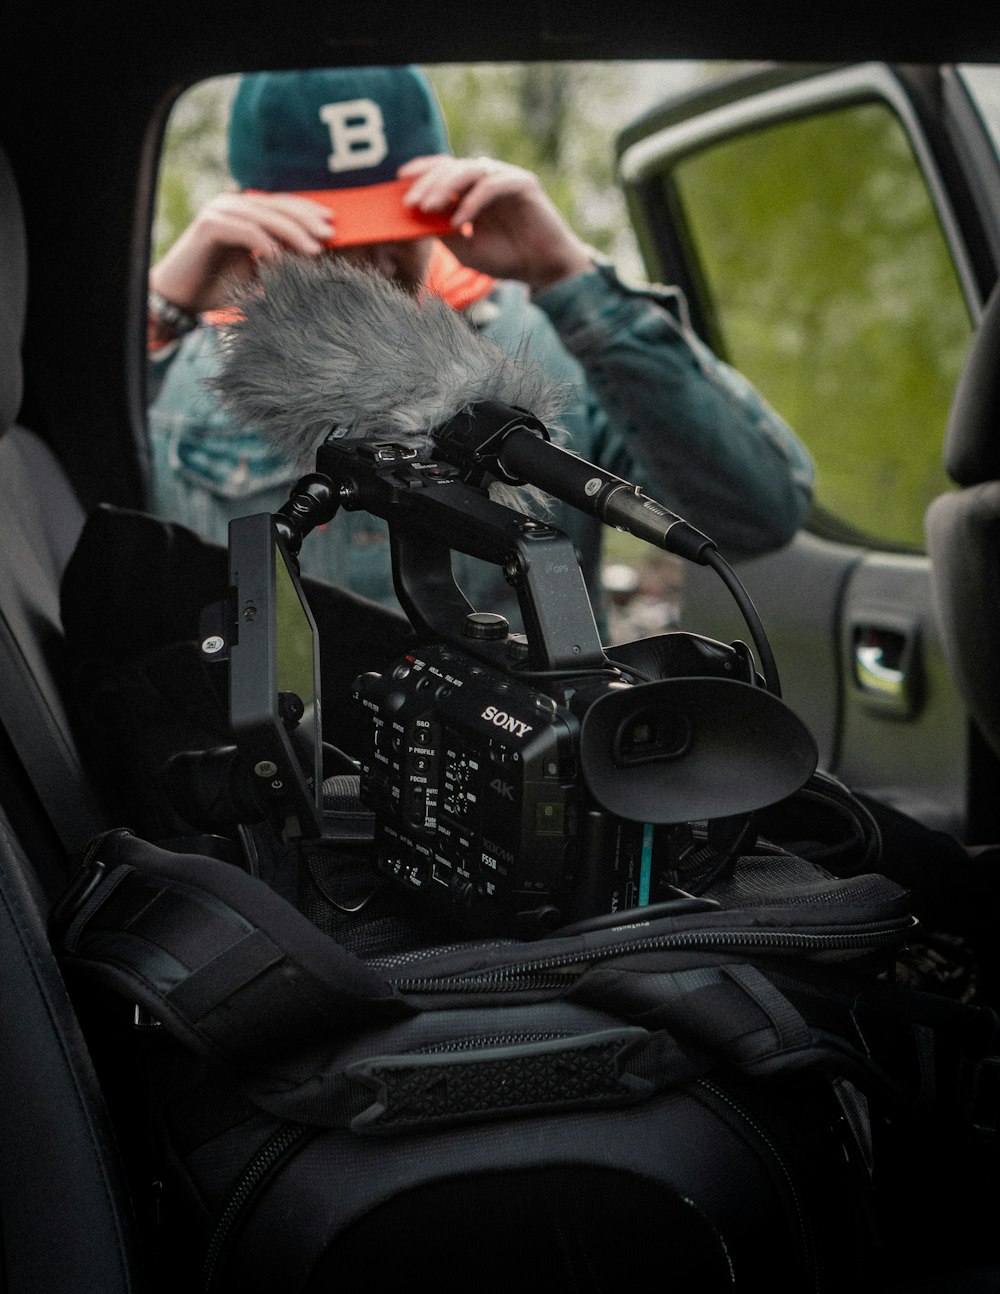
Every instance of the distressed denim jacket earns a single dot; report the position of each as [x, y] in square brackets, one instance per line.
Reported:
[650, 402]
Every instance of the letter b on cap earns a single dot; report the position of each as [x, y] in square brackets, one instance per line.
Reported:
[357, 134]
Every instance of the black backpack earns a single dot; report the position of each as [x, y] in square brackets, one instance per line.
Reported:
[737, 1095]
[317, 1079]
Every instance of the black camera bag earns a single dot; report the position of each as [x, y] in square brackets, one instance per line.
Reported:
[729, 1094]
[341, 1087]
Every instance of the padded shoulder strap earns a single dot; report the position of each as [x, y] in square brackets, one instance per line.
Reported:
[238, 975]
[231, 968]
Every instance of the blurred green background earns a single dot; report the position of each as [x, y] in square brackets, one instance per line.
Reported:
[828, 278]
[833, 288]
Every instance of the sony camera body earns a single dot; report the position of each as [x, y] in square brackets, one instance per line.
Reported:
[529, 780]
[476, 780]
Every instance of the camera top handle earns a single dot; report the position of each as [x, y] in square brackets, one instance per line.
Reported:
[431, 511]
[434, 486]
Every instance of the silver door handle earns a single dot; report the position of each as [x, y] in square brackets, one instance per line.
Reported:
[886, 665]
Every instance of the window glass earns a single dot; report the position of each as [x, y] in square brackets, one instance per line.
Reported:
[833, 289]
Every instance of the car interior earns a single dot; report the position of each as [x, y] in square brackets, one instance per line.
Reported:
[960, 526]
[85, 95]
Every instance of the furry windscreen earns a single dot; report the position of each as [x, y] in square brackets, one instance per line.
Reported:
[321, 343]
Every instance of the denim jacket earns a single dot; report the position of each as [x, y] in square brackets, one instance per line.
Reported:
[653, 405]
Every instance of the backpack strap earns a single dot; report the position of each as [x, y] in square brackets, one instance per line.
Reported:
[241, 978]
[228, 966]
[950, 1049]
[238, 975]
[935, 1058]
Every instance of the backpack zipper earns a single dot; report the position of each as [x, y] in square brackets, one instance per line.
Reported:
[552, 971]
[805, 1231]
[262, 1164]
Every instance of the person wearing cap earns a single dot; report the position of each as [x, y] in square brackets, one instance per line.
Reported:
[355, 162]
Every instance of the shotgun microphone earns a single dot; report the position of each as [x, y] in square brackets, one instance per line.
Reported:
[319, 343]
[515, 447]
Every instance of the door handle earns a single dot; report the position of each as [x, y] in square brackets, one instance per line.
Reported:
[886, 666]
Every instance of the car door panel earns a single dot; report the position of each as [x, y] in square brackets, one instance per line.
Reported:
[849, 615]
[797, 593]
[860, 662]
[904, 734]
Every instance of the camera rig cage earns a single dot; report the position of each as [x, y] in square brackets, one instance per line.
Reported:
[264, 630]
[532, 780]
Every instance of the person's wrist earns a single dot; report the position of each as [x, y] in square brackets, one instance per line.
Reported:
[166, 320]
[559, 271]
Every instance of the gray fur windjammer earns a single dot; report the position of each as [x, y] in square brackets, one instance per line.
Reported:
[321, 343]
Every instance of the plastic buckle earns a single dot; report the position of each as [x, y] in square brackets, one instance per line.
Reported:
[982, 1102]
[143, 1021]
[88, 878]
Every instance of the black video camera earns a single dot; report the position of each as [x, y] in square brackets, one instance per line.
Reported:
[522, 781]
[526, 781]
[482, 783]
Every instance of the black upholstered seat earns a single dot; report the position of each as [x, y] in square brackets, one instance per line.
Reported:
[65, 1220]
[963, 531]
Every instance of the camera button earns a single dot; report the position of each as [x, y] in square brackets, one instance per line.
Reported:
[517, 647]
[485, 625]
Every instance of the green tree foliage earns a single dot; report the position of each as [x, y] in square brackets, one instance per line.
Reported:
[835, 292]
[554, 119]
[193, 165]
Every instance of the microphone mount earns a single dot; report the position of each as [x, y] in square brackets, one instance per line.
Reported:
[313, 502]
[431, 512]
[515, 447]
[440, 490]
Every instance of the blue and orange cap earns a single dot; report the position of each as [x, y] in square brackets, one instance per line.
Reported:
[338, 136]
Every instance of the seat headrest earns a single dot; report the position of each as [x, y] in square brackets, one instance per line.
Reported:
[972, 439]
[13, 294]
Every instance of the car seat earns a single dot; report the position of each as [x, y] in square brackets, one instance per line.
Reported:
[66, 1222]
[963, 530]
[42, 519]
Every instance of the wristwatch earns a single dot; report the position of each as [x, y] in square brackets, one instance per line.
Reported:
[166, 320]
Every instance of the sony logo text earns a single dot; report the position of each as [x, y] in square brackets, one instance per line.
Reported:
[501, 719]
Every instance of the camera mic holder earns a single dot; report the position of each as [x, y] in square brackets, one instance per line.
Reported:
[431, 511]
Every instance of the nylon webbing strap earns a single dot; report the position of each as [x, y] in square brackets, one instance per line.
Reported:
[223, 982]
[202, 969]
[731, 1010]
[944, 1053]
[37, 729]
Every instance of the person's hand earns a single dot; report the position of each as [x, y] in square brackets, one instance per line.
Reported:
[505, 223]
[226, 238]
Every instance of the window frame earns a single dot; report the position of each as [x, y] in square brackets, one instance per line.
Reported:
[939, 118]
